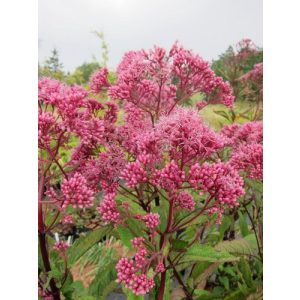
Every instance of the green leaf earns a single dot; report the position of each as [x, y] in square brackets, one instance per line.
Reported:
[198, 221]
[125, 235]
[179, 244]
[239, 247]
[104, 282]
[131, 296]
[225, 281]
[223, 114]
[201, 279]
[243, 224]
[166, 249]
[201, 292]
[226, 222]
[84, 243]
[56, 274]
[199, 269]
[246, 272]
[207, 253]
[236, 295]
[167, 287]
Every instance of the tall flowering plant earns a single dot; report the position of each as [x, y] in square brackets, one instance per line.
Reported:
[159, 176]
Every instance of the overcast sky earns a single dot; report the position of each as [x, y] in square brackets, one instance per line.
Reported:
[206, 26]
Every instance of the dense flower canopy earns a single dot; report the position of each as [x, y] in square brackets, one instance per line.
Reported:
[160, 151]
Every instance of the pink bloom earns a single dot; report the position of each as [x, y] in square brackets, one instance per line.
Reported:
[185, 201]
[141, 284]
[76, 192]
[125, 271]
[186, 137]
[247, 133]
[134, 173]
[67, 219]
[160, 267]
[249, 158]
[128, 270]
[151, 220]
[61, 246]
[108, 208]
[220, 180]
[138, 242]
[146, 79]
[170, 177]
[99, 80]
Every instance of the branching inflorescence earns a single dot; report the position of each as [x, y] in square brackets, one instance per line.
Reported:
[162, 155]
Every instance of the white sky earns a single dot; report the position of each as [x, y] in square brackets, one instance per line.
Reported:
[206, 26]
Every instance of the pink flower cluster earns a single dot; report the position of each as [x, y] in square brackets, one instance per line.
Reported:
[170, 177]
[76, 192]
[146, 79]
[249, 158]
[61, 246]
[67, 219]
[185, 201]
[220, 180]
[151, 220]
[108, 208]
[46, 127]
[195, 75]
[186, 137]
[99, 80]
[248, 133]
[134, 173]
[128, 270]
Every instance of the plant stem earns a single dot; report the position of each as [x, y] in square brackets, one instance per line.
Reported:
[54, 290]
[161, 291]
[187, 293]
[162, 244]
[255, 233]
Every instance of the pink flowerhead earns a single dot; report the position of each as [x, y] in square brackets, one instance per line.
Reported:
[249, 158]
[61, 246]
[185, 201]
[170, 177]
[151, 220]
[220, 180]
[67, 219]
[108, 208]
[160, 267]
[99, 81]
[76, 192]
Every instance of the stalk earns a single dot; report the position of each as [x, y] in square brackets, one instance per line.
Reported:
[43, 243]
[162, 286]
[54, 290]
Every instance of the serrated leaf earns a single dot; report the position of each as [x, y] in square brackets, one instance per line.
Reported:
[202, 278]
[84, 243]
[246, 272]
[104, 282]
[239, 247]
[207, 253]
[125, 235]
